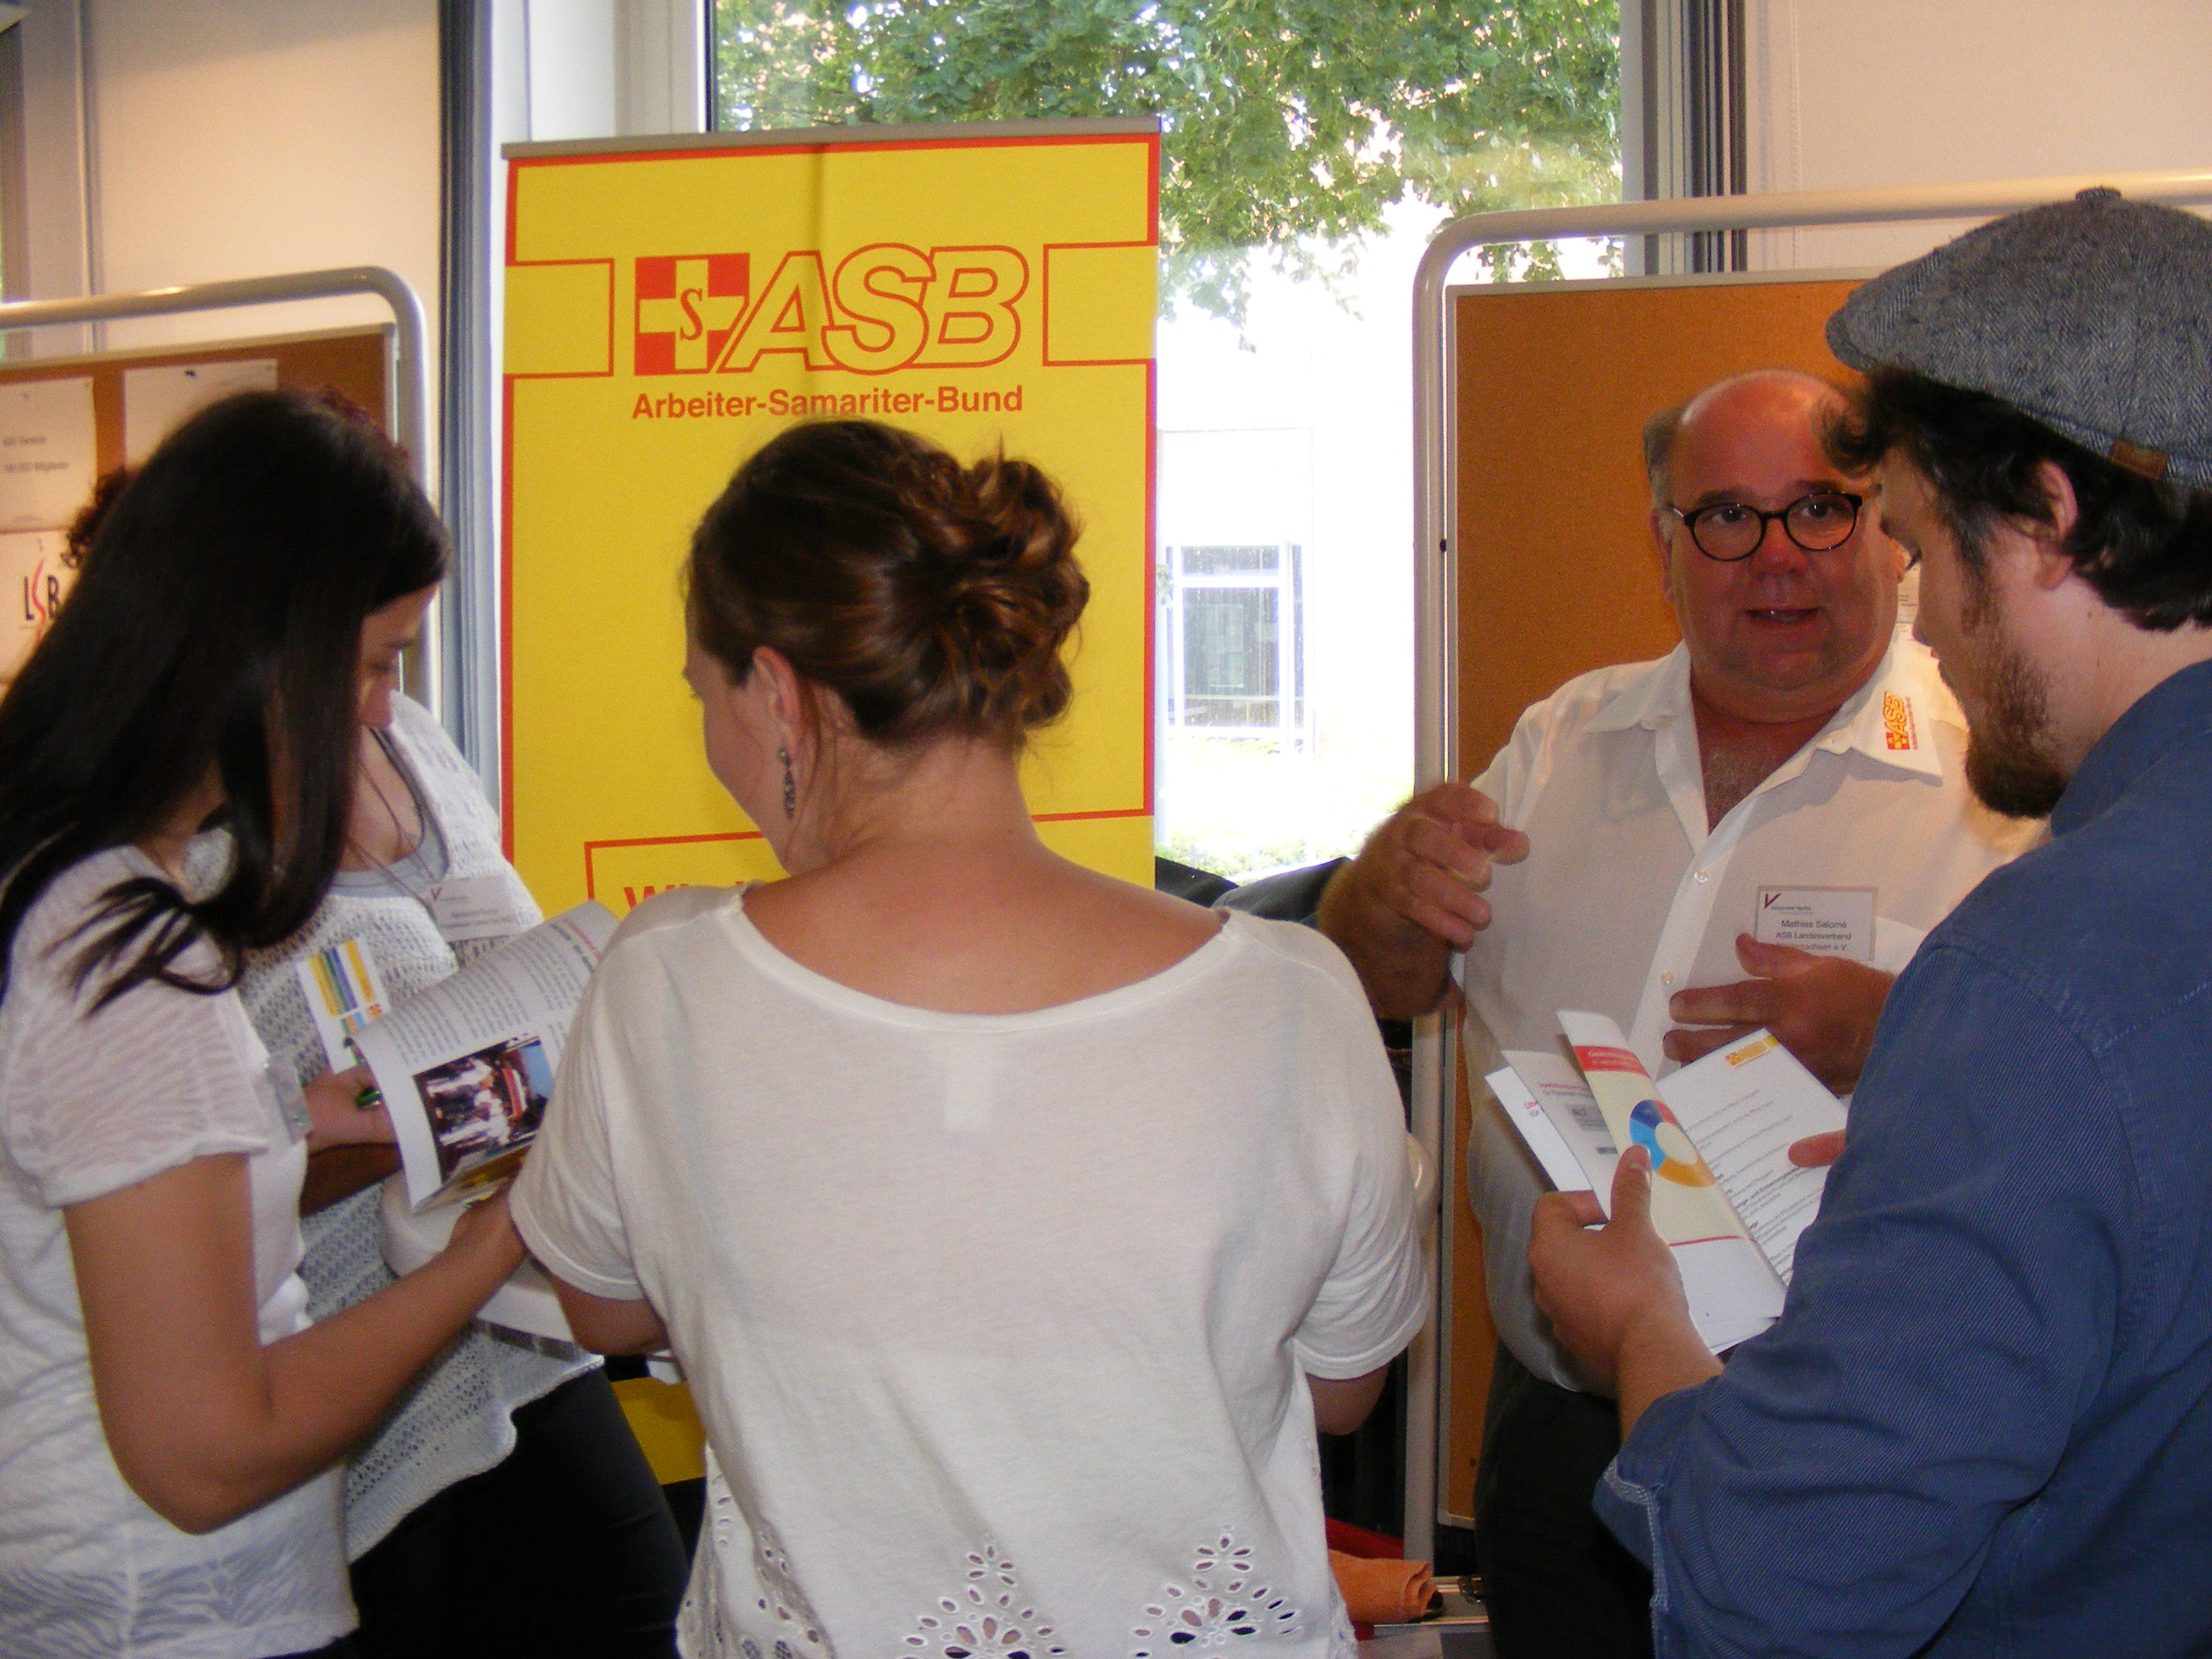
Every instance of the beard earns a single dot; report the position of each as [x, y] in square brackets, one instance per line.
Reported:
[2008, 764]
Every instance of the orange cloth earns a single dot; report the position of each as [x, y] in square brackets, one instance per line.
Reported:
[1382, 1592]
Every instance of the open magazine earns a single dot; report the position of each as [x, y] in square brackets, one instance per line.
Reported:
[1725, 1194]
[465, 1066]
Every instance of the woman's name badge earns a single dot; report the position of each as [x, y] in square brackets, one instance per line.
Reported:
[474, 906]
[1829, 921]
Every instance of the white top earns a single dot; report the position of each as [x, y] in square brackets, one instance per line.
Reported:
[457, 1418]
[90, 1104]
[996, 1322]
[1625, 898]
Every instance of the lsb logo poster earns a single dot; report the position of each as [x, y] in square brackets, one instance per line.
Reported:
[669, 311]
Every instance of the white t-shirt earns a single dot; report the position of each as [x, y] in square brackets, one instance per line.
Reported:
[1627, 898]
[90, 1104]
[996, 1322]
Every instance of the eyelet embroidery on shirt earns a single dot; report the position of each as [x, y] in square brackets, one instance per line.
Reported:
[1223, 1601]
[987, 1619]
[784, 1599]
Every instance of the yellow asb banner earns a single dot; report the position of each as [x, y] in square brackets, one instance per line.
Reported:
[669, 311]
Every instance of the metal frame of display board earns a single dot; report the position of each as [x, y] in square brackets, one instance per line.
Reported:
[1435, 717]
[407, 374]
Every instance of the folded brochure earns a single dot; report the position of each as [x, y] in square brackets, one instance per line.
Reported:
[1725, 1194]
[465, 1066]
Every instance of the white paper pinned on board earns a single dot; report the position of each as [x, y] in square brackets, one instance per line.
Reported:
[33, 581]
[157, 401]
[48, 452]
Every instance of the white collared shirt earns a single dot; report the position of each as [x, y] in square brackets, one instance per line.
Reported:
[1627, 898]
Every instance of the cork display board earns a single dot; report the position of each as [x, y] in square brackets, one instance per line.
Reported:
[65, 421]
[1555, 576]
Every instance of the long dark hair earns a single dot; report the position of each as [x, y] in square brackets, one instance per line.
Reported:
[215, 628]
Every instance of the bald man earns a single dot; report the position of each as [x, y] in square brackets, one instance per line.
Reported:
[1615, 857]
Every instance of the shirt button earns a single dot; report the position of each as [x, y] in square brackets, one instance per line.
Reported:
[1705, 876]
[1666, 979]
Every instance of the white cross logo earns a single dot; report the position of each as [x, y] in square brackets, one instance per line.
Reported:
[691, 316]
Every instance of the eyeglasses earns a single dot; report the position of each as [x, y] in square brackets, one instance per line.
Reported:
[1730, 530]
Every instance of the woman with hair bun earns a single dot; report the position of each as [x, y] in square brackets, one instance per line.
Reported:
[1016, 1227]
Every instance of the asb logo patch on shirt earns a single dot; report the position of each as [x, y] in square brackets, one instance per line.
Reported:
[687, 307]
[1897, 728]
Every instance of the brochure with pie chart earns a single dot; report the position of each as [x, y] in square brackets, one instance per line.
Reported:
[1724, 1194]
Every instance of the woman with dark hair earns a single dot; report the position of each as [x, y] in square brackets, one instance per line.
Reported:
[168, 1420]
[1016, 1226]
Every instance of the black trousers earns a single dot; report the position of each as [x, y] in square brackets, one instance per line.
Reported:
[566, 1547]
[1557, 1584]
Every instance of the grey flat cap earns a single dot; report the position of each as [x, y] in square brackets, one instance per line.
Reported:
[2093, 316]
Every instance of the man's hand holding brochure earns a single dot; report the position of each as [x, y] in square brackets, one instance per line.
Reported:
[1723, 1192]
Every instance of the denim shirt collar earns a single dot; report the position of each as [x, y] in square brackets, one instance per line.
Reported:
[2177, 708]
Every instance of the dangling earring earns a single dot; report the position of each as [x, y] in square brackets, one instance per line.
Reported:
[790, 783]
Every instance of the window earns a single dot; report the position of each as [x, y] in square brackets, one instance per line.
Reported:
[1231, 634]
[1309, 151]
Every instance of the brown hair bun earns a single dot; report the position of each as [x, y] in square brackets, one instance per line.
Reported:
[933, 599]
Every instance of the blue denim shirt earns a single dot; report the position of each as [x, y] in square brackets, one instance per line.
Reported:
[1983, 1422]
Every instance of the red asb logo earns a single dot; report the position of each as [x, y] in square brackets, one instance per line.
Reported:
[874, 310]
[687, 306]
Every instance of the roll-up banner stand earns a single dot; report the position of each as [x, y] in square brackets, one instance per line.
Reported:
[673, 304]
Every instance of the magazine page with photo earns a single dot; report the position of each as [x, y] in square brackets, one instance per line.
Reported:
[465, 1067]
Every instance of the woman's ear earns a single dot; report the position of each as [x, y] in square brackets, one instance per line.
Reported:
[807, 713]
[780, 686]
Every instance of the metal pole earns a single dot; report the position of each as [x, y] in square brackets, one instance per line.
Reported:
[1436, 591]
[409, 404]
[468, 627]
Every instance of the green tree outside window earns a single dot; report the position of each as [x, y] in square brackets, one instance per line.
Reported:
[1288, 126]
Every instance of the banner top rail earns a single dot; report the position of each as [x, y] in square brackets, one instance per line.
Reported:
[870, 133]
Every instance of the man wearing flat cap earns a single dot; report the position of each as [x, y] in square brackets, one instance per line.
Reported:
[1983, 1422]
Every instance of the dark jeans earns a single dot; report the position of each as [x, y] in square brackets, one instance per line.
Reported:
[1558, 1585]
[566, 1547]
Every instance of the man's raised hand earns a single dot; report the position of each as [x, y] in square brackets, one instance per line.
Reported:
[1823, 1009]
[1414, 894]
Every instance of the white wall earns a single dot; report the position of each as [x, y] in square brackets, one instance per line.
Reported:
[56, 247]
[170, 144]
[184, 143]
[249, 139]
[596, 67]
[1848, 93]
[570, 66]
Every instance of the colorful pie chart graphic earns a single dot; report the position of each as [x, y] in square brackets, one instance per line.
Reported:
[1653, 1128]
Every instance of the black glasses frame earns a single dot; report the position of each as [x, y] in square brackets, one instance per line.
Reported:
[1689, 522]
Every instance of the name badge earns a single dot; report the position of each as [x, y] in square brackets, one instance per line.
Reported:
[474, 906]
[1829, 921]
